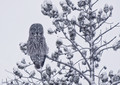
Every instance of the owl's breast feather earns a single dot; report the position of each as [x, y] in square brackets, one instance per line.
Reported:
[35, 48]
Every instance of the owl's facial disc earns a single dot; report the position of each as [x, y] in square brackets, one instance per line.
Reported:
[36, 31]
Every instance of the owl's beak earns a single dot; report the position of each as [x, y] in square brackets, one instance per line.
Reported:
[37, 33]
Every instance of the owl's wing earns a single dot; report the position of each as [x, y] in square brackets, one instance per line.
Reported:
[38, 61]
[46, 49]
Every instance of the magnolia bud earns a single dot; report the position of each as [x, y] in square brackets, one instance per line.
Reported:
[84, 62]
[50, 31]
[106, 8]
[73, 20]
[100, 11]
[111, 7]
[21, 65]
[111, 74]
[59, 42]
[62, 2]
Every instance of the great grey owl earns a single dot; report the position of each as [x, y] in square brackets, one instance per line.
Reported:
[36, 45]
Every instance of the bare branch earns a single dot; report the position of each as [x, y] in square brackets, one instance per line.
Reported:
[104, 49]
[102, 23]
[105, 44]
[99, 75]
[77, 49]
[116, 83]
[82, 37]
[29, 74]
[98, 41]
[70, 67]
[94, 3]
[106, 32]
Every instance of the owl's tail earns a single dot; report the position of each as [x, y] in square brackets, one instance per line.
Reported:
[38, 61]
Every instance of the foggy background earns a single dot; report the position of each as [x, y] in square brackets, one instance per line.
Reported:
[16, 16]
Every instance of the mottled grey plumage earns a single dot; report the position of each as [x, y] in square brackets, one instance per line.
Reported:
[36, 45]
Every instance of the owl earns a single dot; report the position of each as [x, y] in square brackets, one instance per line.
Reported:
[36, 45]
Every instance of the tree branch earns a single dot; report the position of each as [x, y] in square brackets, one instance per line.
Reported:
[77, 49]
[70, 67]
[102, 23]
[82, 37]
[116, 83]
[105, 44]
[106, 32]
[94, 3]
[104, 49]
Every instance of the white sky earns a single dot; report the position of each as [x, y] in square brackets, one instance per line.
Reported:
[16, 16]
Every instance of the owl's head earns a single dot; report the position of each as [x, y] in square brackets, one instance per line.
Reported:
[36, 31]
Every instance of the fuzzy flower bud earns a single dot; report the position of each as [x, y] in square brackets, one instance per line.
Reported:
[106, 8]
[72, 34]
[73, 20]
[111, 74]
[76, 79]
[23, 61]
[84, 62]
[59, 42]
[111, 7]
[103, 16]
[17, 72]
[48, 70]
[54, 12]
[104, 77]
[21, 65]
[81, 3]
[100, 11]
[50, 31]
[62, 2]
[48, 2]
[44, 76]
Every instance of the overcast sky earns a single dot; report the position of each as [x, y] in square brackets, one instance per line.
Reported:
[16, 16]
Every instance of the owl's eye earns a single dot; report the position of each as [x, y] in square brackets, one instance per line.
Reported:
[41, 33]
[32, 33]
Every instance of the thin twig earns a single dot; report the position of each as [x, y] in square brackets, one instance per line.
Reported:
[77, 49]
[105, 44]
[100, 39]
[94, 3]
[71, 67]
[104, 49]
[105, 32]
[99, 75]
[102, 23]
[82, 37]
[116, 83]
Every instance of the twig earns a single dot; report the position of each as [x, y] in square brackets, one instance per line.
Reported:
[100, 39]
[116, 83]
[99, 75]
[94, 3]
[73, 65]
[106, 31]
[82, 37]
[79, 61]
[104, 49]
[105, 44]
[70, 67]
[102, 23]
[79, 66]
[32, 77]
[77, 49]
